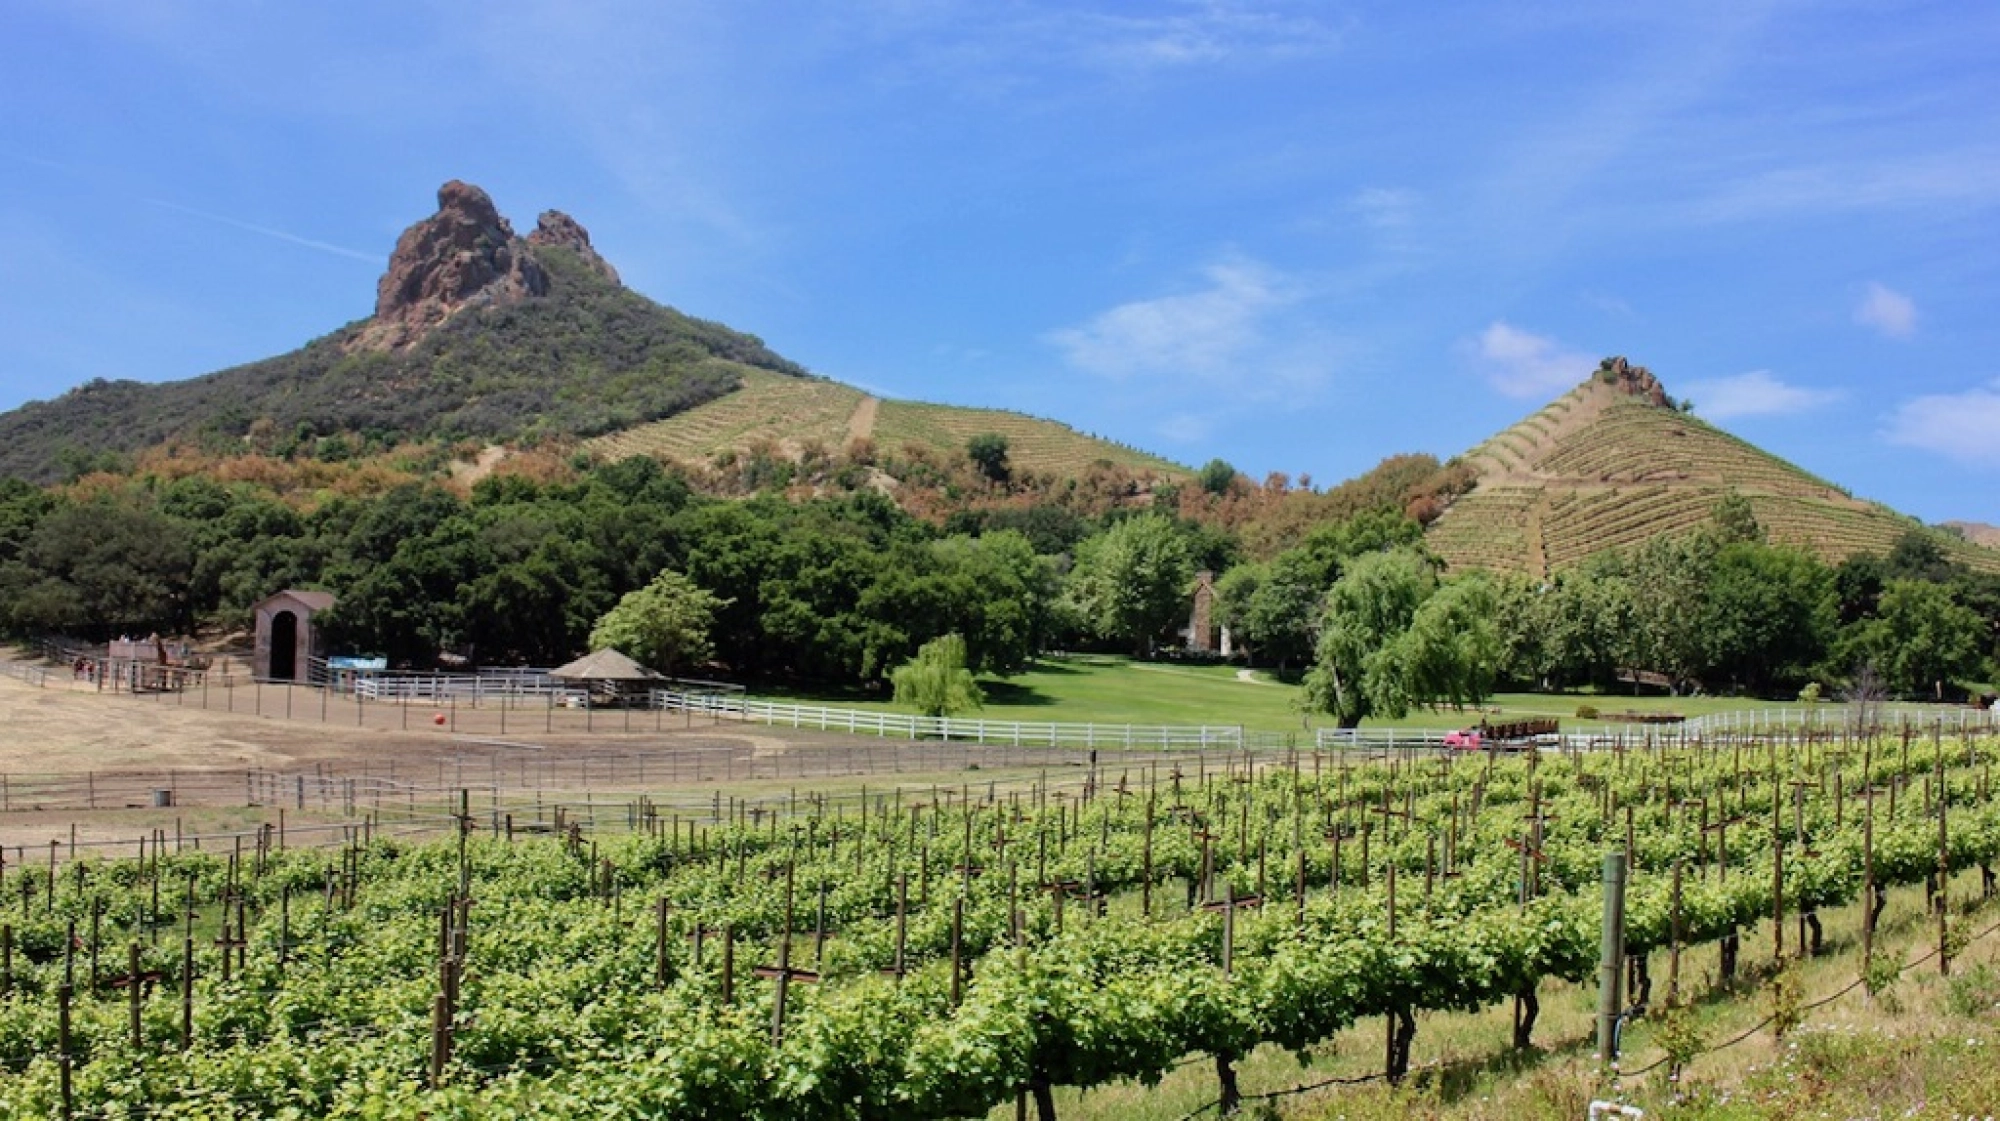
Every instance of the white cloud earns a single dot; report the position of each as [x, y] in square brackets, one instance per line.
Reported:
[1523, 364]
[1757, 393]
[1961, 426]
[1887, 310]
[1211, 334]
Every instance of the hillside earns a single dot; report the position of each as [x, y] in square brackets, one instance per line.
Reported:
[477, 333]
[793, 415]
[1612, 463]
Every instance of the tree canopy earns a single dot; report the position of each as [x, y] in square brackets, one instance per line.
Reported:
[663, 625]
[936, 682]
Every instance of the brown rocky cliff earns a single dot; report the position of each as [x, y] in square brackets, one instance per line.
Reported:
[466, 254]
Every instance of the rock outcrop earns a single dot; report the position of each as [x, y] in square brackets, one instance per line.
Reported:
[1633, 381]
[465, 255]
[559, 229]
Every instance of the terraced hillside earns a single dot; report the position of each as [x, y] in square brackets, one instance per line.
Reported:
[790, 413]
[1612, 463]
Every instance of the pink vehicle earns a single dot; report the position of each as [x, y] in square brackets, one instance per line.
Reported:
[1465, 739]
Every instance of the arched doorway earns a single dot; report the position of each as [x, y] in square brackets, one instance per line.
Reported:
[284, 646]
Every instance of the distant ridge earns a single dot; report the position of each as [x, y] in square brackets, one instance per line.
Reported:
[1613, 463]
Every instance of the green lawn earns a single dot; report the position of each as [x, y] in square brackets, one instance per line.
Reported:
[1104, 689]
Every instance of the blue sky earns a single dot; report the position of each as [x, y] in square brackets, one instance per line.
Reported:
[1299, 236]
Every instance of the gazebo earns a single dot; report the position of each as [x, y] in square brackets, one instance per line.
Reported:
[608, 667]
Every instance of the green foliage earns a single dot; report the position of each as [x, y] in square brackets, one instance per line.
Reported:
[1369, 607]
[1921, 639]
[663, 625]
[988, 452]
[1786, 995]
[98, 568]
[936, 682]
[1881, 976]
[1130, 582]
[1973, 993]
[1216, 476]
[1735, 522]
[571, 1010]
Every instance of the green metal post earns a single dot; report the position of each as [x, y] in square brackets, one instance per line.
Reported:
[1611, 961]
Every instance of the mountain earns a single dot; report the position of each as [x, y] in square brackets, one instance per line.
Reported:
[1613, 462]
[1979, 533]
[477, 334]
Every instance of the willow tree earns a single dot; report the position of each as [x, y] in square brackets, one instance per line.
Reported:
[936, 682]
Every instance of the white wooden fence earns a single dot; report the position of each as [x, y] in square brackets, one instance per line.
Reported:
[1012, 733]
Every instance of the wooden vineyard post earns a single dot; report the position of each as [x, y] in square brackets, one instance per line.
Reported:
[1777, 895]
[135, 996]
[1674, 944]
[958, 950]
[66, 992]
[728, 965]
[187, 968]
[897, 968]
[1943, 862]
[660, 943]
[783, 973]
[1867, 877]
[819, 927]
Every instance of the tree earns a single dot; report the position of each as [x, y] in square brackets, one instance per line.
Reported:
[1449, 655]
[1216, 475]
[1922, 638]
[1131, 581]
[988, 452]
[103, 566]
[1669, 580]
[1274, 608]
[1767, 615]
[1366, 609]
[1734, 521]
[664, 625]
[936, 682]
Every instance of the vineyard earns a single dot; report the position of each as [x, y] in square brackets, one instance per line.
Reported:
[943, 951]
[768, 407]
[1032, 443]
[1597, 469]
[791, 413]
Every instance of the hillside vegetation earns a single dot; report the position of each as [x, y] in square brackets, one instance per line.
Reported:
[1606, 466]
[589, 357]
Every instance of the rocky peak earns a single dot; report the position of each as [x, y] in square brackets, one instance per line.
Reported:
[464, 255]
[1633, 381]
[559, 229]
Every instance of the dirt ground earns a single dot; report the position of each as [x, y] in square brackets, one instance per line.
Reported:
[96, 766]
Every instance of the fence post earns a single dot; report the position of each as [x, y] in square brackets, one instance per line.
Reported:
[1611, 959]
